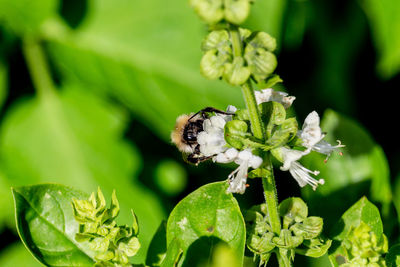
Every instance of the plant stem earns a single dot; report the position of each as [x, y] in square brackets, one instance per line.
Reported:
[38, 67]
[257, 128]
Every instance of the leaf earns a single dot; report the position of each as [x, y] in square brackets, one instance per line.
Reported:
[144, 53]
[362, 167]
[361, 212]
[393, 256]
[77, 145]
[205, 216]
[158, 246]
[6, 203]
[25, 16]
[16, 254]
[385, 24]
[173, 255]
[47, 209]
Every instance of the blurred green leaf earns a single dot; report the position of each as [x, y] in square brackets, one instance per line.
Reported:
[6, 203]
[362, 166]
[3, 84]
[170, 177]
[17, 255]
[79, 145]
[393, 256]
[47, 209]
[361, 212]
[205, 217]
[143, 54]
[26, 16]
[385, 23]
[158, 246]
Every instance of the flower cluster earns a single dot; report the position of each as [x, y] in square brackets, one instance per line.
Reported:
[226, 139]
[364, 248]
[300, 233]
[112, 244]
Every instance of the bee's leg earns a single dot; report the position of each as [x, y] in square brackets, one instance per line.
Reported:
[192, 158]
[209, 109]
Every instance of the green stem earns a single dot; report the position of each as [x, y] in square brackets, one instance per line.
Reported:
[38, 67]
[257, 128]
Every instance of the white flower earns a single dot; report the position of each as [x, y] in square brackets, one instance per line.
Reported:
[211, 139]
[245, 159]
[299, 172]
[267, 95]
[312, 136]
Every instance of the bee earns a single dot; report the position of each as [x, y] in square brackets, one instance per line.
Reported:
[184, 136]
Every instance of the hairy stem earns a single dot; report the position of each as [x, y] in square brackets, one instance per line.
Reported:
[257, 127]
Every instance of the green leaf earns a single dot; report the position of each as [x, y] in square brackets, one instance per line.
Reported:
[207, 214]
[362, 167]
[158, 246]
[393, 256]
[137, 52]
[173, 255]
[47, 209]
[385, 23]
[16, 254]
[361, 212]
[77, 145]
[25, 16]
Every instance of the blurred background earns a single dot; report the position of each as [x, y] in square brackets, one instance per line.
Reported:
[125, 69]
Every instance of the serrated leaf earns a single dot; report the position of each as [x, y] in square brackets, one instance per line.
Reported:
[208, 212]
[47, 209]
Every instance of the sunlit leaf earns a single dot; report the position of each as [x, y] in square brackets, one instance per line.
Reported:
[205, 217]
[77, 145]
[47, 209]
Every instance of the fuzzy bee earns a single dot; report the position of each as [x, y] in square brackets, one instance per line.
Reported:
[184, 136]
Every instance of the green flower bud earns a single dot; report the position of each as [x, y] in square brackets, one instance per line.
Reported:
[314, 248]
[218, 39]
[235, 131]
[100, 244]
[293, 210]
[260, 244]
[287, 240]
[131, 247]
[283, 133]
[261, 62]
[310, 228]
[212, 64]
[236, 11]
[236, 73]
[209, 11]
[263, 40]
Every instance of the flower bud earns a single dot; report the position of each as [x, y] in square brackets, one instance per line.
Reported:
[236, 73]
[310, 228]
[237, 11]
[209, 11]
[234, 131]
[293, 210]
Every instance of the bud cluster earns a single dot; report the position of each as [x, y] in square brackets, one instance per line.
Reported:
[112, 244]
[256, 61]
[364, 248]
[300, 233]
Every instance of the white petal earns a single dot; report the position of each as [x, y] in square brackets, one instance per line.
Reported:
[289, 156]
[217, 122]
[255, 162]
[303, 177]
[231, 109]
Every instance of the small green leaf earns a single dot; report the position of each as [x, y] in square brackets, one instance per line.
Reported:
[47, 209]
[272, 113]
[393, 256]
[209, 11]
[283, 133]
[208, 212]
[314, 248]
[235, 131]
